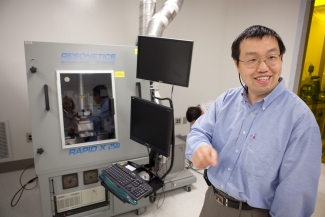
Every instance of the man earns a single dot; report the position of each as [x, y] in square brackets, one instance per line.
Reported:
[261, 142]
[193, 113]
[104, 122]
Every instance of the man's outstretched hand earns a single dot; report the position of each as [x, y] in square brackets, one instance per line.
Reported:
[205, 156]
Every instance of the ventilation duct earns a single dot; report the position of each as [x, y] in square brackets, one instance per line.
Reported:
[163, 17]
[147, 10]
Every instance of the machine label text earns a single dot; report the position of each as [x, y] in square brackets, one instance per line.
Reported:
[87, 58]
[90, 149]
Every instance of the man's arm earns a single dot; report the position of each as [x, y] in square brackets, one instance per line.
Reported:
[104, 113]
[299, 175]
[198, 148]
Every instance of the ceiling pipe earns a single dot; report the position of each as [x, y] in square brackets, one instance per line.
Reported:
[147, 10]
[163, 17]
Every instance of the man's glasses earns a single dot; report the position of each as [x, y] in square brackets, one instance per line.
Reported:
[253, 62]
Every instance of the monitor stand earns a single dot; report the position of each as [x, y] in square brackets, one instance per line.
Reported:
[179, 176]
[155, 181]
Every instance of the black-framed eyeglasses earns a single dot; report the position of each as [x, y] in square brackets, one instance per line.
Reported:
[270, 60]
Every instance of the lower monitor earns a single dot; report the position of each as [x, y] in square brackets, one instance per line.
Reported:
[151, 125]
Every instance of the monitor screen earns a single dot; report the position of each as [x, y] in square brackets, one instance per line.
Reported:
[151, 125]
[164, 60]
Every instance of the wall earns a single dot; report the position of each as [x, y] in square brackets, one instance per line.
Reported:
[213, 25]
[282, 16]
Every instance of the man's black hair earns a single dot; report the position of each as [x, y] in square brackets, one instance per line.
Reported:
[101, 90]
[255, 31]
[193, 113]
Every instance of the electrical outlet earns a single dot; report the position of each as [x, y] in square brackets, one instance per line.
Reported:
[29, 137]
[178, 121]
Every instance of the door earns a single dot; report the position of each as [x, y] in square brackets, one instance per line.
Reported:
[312, 79]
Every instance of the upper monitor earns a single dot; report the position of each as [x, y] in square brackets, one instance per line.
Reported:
[164, 60]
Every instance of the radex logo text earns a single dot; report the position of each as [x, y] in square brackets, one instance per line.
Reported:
[91, 149]
[87, 58]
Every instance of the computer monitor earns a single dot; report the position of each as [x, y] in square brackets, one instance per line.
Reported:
[151, 125]
[164, 60]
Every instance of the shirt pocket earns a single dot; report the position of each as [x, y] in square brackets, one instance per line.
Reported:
[258, 156]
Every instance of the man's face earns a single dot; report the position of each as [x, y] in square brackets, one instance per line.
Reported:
[96, 98]
[264, 78]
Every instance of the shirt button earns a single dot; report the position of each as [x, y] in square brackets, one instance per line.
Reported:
[229, 168]
[221, 186]
[237, 151]
[252, 113]
[244, 132]
[263, 108]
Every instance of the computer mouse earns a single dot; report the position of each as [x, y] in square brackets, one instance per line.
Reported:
[144, 175]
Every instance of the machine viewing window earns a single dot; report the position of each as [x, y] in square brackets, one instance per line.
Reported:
[86, 107]
[151, 125]
[164, 60]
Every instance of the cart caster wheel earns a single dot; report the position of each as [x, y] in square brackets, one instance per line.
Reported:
[187, 188]
[140, 211]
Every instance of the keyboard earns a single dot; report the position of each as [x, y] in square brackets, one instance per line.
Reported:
[128, 181]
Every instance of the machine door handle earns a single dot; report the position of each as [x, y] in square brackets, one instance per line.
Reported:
[138, 84]
[46, 92]
[111, 106]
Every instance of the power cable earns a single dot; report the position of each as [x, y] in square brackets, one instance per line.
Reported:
[163, 193]
[23, 187]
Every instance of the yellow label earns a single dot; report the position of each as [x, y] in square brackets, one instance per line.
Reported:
[136, 50]
[119, 74]
[82, 96]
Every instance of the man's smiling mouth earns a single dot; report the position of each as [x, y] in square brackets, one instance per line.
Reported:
[263, 78]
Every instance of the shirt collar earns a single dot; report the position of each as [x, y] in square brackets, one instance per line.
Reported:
[103, 102]
[275, 93]
[244, 95]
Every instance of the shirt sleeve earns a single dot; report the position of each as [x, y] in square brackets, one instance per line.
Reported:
[299, 174]
[104, 113]
[202, 131]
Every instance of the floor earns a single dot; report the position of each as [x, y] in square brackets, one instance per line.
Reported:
[177, 202]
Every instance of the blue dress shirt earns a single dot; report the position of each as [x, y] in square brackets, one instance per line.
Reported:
[104, 114]
[269, 153]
